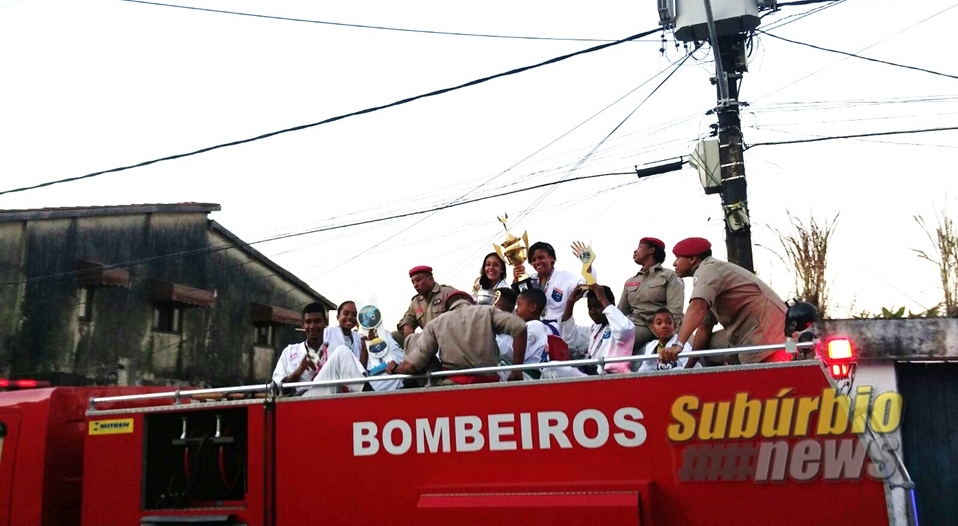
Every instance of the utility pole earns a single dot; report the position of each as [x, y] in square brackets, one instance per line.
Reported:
[738, 230]
[726, 28]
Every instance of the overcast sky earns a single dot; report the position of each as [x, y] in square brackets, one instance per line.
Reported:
[99, 84]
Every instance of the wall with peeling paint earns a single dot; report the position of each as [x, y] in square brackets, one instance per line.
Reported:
[42, 336]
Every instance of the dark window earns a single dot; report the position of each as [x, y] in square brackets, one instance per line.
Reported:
[85, 303]
[167, 316]
[265, 334]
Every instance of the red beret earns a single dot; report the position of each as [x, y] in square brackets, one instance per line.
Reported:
[458, 295]
[654, 241]
[691, 246]
[421, 268]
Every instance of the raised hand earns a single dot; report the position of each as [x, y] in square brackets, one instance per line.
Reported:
[577, 294]
[577, 248]
[598, 291]
[518, 271]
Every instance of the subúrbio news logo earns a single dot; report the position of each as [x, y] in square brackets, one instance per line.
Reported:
[787, 438]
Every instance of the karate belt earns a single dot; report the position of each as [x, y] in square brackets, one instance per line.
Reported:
[468, 379]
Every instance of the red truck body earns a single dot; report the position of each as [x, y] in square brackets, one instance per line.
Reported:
[600, 450]
[41, 453]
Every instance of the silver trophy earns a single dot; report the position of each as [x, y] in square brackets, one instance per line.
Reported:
[369, 319]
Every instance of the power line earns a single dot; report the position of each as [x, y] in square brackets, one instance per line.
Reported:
[226, 246]
[875, 141]
[494, 177]
[606, 138]
[922, 21]
[337, 118]
[820, 48]
[805, 2]
[853, 136]
[640, 173]
[798, 16]
[366, 26]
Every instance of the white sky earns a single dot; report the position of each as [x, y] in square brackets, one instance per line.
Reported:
[93, 85]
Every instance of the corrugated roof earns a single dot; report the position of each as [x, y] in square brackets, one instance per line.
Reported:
[242, 245]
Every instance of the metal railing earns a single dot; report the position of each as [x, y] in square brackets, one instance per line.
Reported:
[274, 389]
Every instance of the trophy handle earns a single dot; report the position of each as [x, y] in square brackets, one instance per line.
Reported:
[589, 276]
[499, 251]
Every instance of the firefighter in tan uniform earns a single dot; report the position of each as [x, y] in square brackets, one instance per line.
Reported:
[426, 305]
[651, 289]
[464, 338]
[750, 312]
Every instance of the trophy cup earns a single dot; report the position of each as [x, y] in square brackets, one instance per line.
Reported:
[514, 251]
[487, 297]
[586, 255]
[369, 318]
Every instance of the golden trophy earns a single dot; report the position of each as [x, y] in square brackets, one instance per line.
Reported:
[514, 251]
[586, 255]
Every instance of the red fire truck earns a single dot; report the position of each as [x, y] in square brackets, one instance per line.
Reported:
[763, 444]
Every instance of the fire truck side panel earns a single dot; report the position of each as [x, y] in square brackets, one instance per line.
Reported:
[595, 451]
[113, 471]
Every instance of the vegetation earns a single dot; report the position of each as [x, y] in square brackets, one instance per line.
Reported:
[891, 313]
[944, 255]
[807, 249]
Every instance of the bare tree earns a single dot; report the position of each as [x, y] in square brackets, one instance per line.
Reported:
[807, 250]
[945, 257]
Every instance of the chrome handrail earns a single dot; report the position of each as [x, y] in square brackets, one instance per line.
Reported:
[179, 394]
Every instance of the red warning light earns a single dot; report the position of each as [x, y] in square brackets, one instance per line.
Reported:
[839, 349]
[840, 371]
[839, 356]
[6, 383]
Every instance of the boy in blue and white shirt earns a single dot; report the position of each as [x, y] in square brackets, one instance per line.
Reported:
[529, 306]
[663, 327]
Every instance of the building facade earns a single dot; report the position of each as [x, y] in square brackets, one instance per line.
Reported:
[140, 294]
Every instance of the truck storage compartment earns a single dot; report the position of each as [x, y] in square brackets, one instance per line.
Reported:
[195, 459]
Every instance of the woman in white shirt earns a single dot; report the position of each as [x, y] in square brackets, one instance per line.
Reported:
[492, 276]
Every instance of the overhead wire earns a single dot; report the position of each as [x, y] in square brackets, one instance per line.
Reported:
[798, 16]
[494, 177]
[377, 247]
[804, 2]
[226, 246]
[367, 26]
[793, 82]
[604, 139]
[532, 207]
[850, 136]
[865, 139]
[863, 119]
[853, 55]
[333, 119]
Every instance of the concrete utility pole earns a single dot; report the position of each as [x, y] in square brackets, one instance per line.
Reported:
[726, 28]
